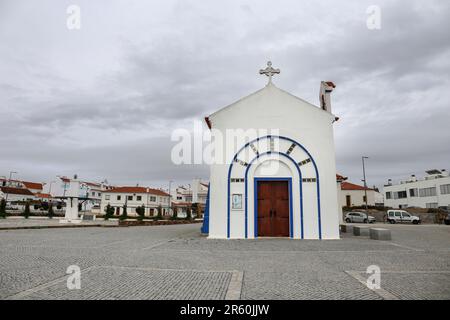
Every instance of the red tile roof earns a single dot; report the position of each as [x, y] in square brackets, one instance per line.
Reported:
[352, 186]
[137, 190]
[27, 184]
[11, 190]
[33, 185]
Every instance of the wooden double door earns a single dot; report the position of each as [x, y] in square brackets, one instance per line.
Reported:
[273, 208]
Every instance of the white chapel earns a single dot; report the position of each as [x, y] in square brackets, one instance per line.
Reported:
[282, 181]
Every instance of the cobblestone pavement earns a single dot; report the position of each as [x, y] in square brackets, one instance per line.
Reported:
[176, 262]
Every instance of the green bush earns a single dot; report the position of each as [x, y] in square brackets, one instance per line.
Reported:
[51, 213]
[140, 212]
[188, 213]
[27, 212]
[3, 208]
[124, 214]
[159, 216]
[109, 212]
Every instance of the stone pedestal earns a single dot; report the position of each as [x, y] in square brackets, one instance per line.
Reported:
[361, 231]
[71, 213]
[380, 234]
[346, 228]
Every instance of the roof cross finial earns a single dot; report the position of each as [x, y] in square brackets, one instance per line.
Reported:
[269, 71]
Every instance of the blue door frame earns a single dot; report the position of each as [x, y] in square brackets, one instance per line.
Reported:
[289, 180]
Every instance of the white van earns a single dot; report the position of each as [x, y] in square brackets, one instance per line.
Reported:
[401, 216]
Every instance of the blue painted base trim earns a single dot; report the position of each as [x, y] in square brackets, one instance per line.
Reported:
[205, 226]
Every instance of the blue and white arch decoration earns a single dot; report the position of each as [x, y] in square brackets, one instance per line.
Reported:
[306, 217]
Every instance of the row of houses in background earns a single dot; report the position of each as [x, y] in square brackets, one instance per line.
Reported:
[432, 191]
[94, 197]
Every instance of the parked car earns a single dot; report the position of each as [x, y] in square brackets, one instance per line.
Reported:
[447, 220]
[361, 217]
[401, 216]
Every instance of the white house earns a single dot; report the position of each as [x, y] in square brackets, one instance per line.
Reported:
[184, 196]
[135, 197]
[89, 192]
[12, 194]
[34, 187]
[280, 181]
[196, 192]
[354, 195]
[433, 191]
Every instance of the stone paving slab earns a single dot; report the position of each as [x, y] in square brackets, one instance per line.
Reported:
[120, 283]
[411, 285]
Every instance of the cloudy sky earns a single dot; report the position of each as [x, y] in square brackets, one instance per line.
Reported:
[103, 100]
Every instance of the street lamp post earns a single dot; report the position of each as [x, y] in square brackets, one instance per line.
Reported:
[170, 196]
[50, 193]
[9, 184]
[365, 182]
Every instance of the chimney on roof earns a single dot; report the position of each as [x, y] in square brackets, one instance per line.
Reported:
[326, 88]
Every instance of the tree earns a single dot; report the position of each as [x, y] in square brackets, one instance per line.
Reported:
[26, 212]
[141, 212]
[174, 212]
[196, 209]
[159, 216]
[50, 211]
[109, 212]
[124, 213]
[3, 208]
[188, 213]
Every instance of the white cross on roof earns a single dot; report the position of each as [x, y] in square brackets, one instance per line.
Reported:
[269, 71]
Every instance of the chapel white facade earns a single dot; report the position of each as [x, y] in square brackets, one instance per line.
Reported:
[281, 182]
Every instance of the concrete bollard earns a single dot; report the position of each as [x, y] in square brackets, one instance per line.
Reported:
[380, 234]
[360, 231]
[346, 228]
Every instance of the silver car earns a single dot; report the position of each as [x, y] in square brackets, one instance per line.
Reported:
[359, 217]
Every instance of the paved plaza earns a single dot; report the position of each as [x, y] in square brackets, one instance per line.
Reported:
[176, 262]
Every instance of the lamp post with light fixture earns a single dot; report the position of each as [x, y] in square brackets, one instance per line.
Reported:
[365, 182]
[9, 184]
